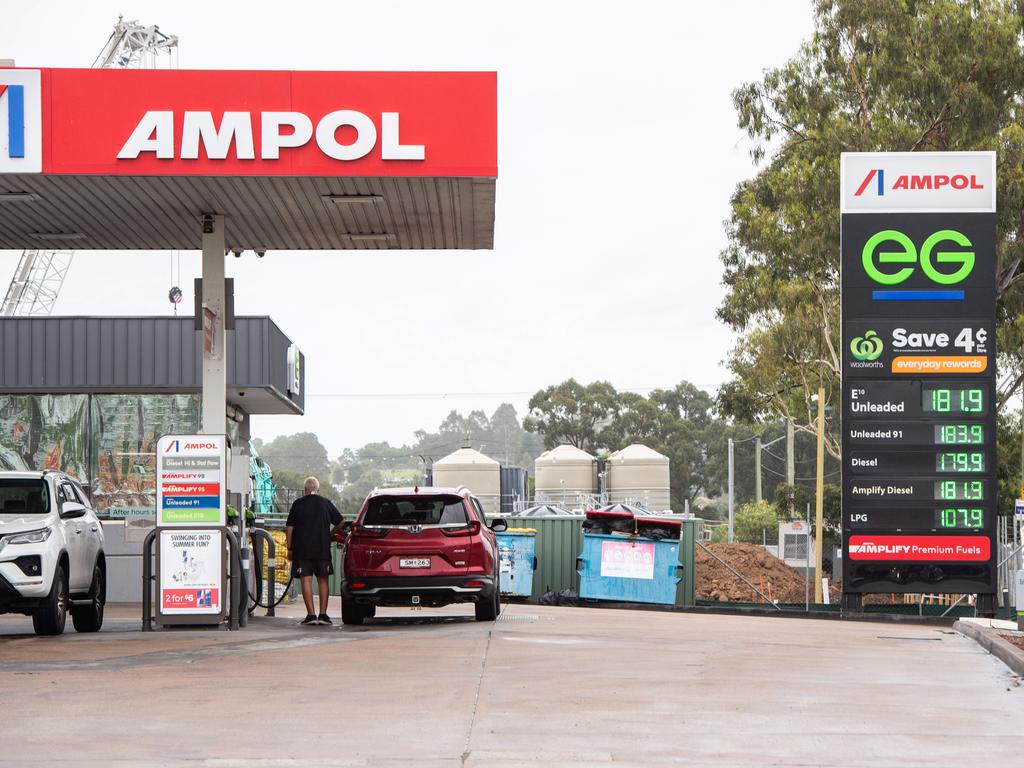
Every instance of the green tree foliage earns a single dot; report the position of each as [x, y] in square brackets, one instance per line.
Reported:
[1008, 448]
[301, 453]
[754, 523]
[876, 75]
[381, 465]
[798, 497]
[680, 423]
[290, 487]
[571, 413]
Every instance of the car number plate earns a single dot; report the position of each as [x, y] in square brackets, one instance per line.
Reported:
[414, 562]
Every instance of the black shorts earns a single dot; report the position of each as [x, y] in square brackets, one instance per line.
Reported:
[307, 567]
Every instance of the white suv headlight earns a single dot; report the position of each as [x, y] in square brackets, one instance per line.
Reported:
[37, 536]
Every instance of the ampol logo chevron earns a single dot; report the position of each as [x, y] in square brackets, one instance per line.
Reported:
[15, 119]
[20, 121]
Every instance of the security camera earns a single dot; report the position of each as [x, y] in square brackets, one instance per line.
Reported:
[261, 252]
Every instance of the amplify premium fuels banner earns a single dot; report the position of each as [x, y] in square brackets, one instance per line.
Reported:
[918, 323]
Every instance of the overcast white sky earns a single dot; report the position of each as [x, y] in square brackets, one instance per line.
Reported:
[618, 151]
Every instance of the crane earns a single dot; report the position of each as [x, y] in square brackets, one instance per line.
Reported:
[40, 274]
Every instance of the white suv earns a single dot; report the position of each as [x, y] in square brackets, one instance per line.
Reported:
[51, 552]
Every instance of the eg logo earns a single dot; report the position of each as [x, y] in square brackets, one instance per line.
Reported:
[878, 254]
[867, 347]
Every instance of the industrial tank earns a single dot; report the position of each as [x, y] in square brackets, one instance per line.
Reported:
[565, 475]
[639, 475]
[481, 474]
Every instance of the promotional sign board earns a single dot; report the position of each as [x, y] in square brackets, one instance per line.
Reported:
[625, 560]
[190, 480]
[918, 369]
[191, 571]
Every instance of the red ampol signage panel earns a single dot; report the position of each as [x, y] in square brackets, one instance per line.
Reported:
[921, 548]
[259, 123]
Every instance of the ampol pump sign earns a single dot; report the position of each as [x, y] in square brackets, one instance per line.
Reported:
[190, 480]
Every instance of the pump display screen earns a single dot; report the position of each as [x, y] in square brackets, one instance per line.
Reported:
[960, 461]
[959, 517]
[959, 490]
[959, 434]
[954, 400]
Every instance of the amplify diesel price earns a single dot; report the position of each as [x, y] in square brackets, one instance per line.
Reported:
[918, 424]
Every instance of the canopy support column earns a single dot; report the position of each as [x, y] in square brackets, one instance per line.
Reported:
[215, 380]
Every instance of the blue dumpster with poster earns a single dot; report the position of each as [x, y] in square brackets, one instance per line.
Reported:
[628, 566]
[517, 555]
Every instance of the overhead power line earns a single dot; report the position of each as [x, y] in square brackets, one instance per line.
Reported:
[445, 395]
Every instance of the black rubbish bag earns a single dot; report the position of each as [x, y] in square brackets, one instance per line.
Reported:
[565, 597]
[596, 525]
[658, 532]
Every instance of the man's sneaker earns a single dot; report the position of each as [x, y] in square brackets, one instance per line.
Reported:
[323, 618]
[309, 620]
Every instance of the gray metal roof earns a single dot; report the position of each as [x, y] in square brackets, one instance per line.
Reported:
[270, 212]
[144, 355]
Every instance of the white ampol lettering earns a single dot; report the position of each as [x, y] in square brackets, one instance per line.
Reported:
[278, 130]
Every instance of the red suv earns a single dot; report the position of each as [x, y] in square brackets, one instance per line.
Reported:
[420, 546]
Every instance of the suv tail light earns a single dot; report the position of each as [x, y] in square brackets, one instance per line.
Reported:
[370, 533]
[474, 583]
[472, 529]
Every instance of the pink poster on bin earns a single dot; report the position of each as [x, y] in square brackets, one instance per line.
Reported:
[625, 560]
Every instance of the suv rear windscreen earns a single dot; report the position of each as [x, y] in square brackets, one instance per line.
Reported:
[411, 510]
[24, 497]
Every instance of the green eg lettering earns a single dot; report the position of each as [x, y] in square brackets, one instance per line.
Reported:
[907, 254]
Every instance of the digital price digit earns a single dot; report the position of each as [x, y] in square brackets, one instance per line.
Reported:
[953, 400]
[960, 461]
[959, 517]
[959, 434]
[959, 490]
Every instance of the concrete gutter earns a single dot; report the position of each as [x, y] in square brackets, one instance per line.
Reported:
[989, 639]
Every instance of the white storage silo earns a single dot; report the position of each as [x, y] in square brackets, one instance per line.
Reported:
[639, 475]
[481, 474]
[565, 475]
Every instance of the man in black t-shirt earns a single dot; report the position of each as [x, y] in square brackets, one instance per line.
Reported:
[308, 532]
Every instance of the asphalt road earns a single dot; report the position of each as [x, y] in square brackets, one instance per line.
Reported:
[542, 686]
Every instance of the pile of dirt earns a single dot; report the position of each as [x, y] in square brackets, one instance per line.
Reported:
[769, 574]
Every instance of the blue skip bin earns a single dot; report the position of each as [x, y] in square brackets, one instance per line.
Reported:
[629, 569]
[516, 550]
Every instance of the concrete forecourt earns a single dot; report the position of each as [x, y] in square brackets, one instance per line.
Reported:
[542, 686]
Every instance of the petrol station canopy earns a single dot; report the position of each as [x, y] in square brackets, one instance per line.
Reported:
[131, 159]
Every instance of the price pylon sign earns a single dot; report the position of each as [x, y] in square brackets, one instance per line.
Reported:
[918, 369]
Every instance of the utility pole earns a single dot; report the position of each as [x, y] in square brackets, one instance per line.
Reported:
[819, 496]
[790, 454]
[757, 468]
[730, 488]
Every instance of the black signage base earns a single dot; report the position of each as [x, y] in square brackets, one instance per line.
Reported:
[986, 606]
[851, 602]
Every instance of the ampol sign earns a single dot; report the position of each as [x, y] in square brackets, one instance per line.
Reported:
[234, 123]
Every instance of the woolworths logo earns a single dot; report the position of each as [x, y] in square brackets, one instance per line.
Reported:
[867, 347]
